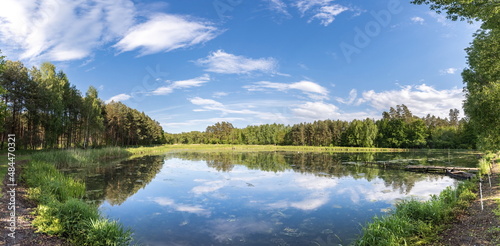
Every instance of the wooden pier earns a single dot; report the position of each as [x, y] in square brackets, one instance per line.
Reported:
[438, 169]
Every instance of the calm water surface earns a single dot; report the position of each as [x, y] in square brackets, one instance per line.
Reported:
[264, 198]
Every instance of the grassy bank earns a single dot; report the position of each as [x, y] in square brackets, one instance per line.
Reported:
[60, 209]
[80, 156]
[417, 223]
[62, 212]
[228, 147]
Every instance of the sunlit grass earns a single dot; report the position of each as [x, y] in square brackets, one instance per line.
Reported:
[62, 212]
[78, 157]
[228, 147]
[418, 223]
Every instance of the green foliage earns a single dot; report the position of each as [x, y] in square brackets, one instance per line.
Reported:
[44, 110]
[72, 157]
[74, 216]
[103, 232]
[55, 185]
[486, 11]
[482, 75]
[414, 222]
[46, 220]
[60, 210]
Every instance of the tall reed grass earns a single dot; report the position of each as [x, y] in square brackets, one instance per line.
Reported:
[78, 157]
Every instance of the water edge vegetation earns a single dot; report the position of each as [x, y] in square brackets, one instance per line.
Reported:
[419, 223]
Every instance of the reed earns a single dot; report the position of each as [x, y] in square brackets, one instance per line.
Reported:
[79, 157]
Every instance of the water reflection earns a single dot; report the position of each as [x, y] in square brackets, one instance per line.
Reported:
[265, 198]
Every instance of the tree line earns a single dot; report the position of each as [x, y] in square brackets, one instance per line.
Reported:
[398, 128]
[482, 74]
[41, 107]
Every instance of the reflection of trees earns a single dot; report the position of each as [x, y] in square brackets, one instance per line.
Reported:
[320, 164]
[118, 182]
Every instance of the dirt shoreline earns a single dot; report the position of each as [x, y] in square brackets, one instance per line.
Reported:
[476, 226]
[25, 233]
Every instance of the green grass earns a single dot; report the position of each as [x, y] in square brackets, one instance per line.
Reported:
[228, 147]
[418, 223]
[62, 212]
[78, 157]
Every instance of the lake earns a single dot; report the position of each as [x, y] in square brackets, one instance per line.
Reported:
[258, 198]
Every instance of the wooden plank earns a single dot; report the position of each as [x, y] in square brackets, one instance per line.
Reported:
[442, 168]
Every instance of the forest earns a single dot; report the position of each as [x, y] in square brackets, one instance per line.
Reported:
[398, 128]
[43, 110]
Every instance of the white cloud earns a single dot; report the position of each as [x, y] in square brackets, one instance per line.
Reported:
[167, 202]
[206, 102]
[208, 187]
[212, 105]
[418, 20]
[164, 32]
[219, 94]
[279, 7]
[222, 62]
[324, 10]
[61, 30]
[353, 94]
[450, 70]
[182, 84]
[201, 122]
[316, 111]
[310, 203]
[326, 14]
[313, 90]
[420, 99]
[118, 98]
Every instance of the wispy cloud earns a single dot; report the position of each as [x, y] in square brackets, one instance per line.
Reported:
[450, 70]
[164, 32]
[119, 98]
[420, 99]
[326, 14]
[353, 94]
[418, 20]
[323, 10]
[225, 63]
[167, 202]
[212, 105]
[441, 19]
[201, 122]
[279, 7]
[219, 94]
[206, 102]
[182, 84]
[313, 90]
[61, 30]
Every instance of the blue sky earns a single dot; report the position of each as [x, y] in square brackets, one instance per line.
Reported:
[192, 63]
